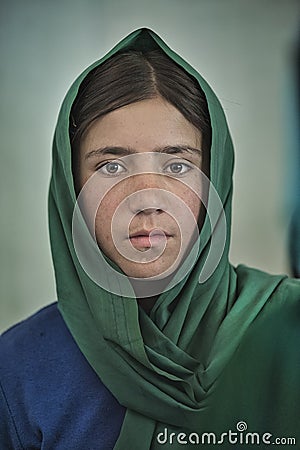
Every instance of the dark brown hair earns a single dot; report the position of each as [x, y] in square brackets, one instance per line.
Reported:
[131, 76]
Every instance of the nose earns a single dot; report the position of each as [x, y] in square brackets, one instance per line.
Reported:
[147, 196]
[147, 201]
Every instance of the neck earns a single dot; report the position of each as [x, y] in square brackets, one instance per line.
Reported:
[147, 303]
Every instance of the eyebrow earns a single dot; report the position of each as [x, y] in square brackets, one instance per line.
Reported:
[124, 151]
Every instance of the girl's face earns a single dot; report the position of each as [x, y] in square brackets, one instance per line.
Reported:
[145, 158]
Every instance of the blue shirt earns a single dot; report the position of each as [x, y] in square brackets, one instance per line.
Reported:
[50, 397]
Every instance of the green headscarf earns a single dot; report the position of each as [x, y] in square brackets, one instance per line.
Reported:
[166, 368]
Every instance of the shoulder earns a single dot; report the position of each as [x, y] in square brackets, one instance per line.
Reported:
[46, 318]
[50, 397]
[258, 282]
[37, 346]
[32, 339]
[285, 299]
[274, 304]
[289, 289]
[275, 329]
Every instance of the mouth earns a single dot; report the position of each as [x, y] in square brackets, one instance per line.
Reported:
[144, 239]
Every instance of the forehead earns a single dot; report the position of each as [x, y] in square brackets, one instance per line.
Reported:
[143, 126]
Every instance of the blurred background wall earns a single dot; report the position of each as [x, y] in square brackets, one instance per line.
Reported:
[245, 51]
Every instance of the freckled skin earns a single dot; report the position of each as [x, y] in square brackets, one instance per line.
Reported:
[142, 126]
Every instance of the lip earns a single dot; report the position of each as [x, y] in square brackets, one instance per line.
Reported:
[149, 238]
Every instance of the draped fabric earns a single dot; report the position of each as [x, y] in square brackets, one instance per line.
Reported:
[166, 368]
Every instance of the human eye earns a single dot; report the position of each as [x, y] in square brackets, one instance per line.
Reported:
[111, 168]
[177, 168]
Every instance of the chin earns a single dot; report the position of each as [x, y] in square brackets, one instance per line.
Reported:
[157, 270]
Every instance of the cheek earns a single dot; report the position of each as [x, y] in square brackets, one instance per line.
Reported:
[104, 216]
[191, 200]
[194, 204]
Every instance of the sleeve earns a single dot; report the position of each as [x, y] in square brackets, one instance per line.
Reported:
[9, 439]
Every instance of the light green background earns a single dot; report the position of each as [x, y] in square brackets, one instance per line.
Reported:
[244, 50]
